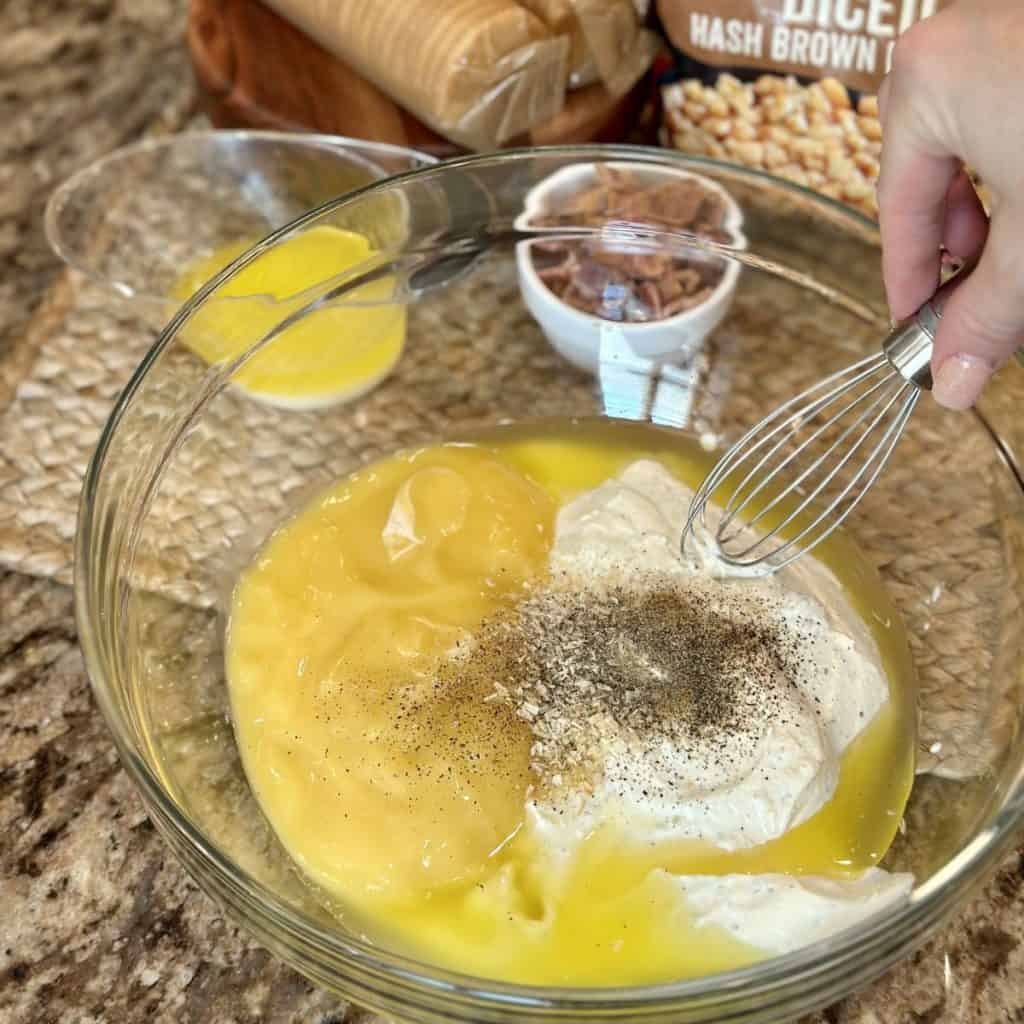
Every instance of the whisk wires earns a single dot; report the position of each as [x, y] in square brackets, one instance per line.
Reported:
[799, 472]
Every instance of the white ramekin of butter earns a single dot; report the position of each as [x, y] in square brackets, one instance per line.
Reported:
[662, 299]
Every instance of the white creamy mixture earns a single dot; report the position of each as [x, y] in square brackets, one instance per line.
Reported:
[780, 913]
[782, 764]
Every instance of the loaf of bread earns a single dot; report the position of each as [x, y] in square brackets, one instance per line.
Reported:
[479, 72]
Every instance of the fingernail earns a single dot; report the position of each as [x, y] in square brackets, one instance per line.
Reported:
[960, 381]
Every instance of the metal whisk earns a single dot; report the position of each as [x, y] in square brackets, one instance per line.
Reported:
[803, 469]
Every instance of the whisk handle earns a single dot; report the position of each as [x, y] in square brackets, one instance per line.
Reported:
[909, 345]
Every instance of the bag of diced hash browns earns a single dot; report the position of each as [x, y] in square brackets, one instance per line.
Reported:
[785, 86]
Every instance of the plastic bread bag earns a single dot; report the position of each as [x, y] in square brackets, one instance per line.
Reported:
[478, 72]
[607, 41]
[481, 73]
[785, 86]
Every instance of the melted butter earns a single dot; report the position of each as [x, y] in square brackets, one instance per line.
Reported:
[376, 780]
[333, 353]
[403, 799]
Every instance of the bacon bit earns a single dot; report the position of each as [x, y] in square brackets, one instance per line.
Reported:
[647, 291]
[560, 273]
[685, 302]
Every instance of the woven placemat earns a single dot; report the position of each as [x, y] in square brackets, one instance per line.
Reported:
[77, 354]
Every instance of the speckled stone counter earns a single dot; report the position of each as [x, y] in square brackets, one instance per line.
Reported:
[97, 921]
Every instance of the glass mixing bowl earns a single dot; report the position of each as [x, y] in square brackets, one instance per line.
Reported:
[191, 475]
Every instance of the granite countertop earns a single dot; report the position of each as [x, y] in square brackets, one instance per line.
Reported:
[98, 922]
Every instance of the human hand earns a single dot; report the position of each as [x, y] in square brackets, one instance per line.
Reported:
[955, 96]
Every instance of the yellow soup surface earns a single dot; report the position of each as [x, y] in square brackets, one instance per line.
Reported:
[401, 793]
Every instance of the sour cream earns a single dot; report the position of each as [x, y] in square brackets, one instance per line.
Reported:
[785, 766]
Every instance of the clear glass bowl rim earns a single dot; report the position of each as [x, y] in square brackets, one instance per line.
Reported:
[853, 957]
[61, 194]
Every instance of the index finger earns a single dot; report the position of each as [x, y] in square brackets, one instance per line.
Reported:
[912, 191]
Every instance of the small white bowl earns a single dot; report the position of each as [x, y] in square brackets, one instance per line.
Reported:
[579, 336]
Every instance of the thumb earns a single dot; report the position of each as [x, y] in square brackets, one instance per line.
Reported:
[983, 321]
